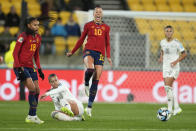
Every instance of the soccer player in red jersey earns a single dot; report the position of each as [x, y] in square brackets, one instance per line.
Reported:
[27, 49]
[94, 52]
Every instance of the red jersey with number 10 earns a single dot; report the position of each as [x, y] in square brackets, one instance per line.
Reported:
[98, 38]
[27, 48]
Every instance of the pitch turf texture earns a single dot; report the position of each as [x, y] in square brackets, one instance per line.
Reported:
[106, 117]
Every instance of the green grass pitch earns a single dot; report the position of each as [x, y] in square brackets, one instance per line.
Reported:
[106, 117]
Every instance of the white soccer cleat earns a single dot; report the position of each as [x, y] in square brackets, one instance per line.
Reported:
[87, 90]
[88, 111]
[33, 119]
[177, 111]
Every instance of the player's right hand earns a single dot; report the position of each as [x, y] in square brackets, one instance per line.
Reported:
[69, 54]
[21, 74]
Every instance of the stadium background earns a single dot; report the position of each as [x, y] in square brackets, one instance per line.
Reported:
[136, 30]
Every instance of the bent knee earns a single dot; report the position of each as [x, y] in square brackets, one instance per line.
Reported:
[53, 114]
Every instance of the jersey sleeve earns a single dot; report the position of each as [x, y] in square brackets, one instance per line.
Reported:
[36, 56]
[108, 42]
[180, 47]
[19, 43]
[55, 91]
[81, 40]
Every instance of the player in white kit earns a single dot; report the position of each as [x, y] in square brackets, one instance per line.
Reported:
[67, 107]
[172, 52]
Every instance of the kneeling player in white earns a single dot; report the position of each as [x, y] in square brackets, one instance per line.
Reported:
[170, 50]
[67, 107]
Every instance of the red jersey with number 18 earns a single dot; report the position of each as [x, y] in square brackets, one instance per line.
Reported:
[27, 48]
[98, 38]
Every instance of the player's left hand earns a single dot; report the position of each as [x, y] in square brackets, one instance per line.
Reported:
[41, 74]
[110, 61]
[43, 96]
[173, 63]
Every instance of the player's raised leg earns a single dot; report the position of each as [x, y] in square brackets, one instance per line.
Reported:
[89, 63]
[64, 117]
[93, 89]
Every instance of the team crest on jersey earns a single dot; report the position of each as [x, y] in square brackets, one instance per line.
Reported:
[166, 51]
[20, 39]
[92, 26]
[103, 28]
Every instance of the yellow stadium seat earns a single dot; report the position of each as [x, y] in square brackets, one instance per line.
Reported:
[13, 30]
[64, 16]
[143, 25]
[177, 35]
[132, 2]
[188, 35]
[163, 7]
[31, 1]
[154, 46]
[189, 8]
[192, 25]
[34, 13]
[17, 5]
[136, 7]
[149, 7]
[2, 29]
[158, 2]
[189, 2]
[67, 1]
[176, 8]
[192, 48]
[53, 14]
[174, 2]
[75, 17]
[60, 44]
[147, 2]
[16, 1]
[6, 6]
[41, 30]
[71, 41]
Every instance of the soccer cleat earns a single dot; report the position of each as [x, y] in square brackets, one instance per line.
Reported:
[33, 119]
[67, 111]
[87, 90]
[88, 111]
[83, 118]
[177, 111]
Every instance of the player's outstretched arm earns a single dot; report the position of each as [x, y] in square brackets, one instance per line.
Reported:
[43, 96]
[161, 57]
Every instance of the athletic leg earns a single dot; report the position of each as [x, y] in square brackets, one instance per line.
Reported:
[93, 89]
[89, 63]
[64, 117]
[169, 91]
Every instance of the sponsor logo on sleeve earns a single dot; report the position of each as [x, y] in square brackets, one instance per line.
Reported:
[20, 39]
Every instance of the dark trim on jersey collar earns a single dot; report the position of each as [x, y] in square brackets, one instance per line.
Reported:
[102, 22]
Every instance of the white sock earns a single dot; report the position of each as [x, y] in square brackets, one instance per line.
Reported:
[169, 92]
[176, 105]
[61, 116]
